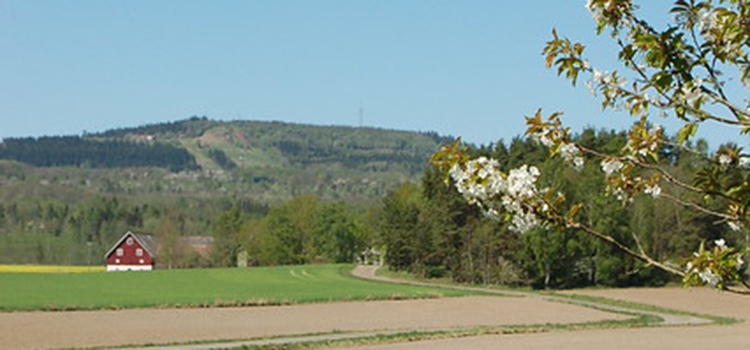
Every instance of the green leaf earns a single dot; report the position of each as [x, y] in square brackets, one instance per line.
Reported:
[574, 210]
[686, 132]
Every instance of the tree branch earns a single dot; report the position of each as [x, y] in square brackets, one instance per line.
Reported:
[671, 102]
[610, 240]
[700, 208]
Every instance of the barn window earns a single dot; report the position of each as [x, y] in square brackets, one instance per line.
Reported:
[139, 252]
[120, 252]
[129, 241]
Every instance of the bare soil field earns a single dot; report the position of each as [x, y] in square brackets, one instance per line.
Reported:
[734, 337]
[35, 330]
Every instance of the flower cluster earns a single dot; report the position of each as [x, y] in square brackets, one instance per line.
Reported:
[716, 267]
[653, 190]
[480, 180]
[715, 25]
[735, 225]
[482, 183]
[609, 12]
[724, 160]
[571, 154]
[690, 94]
[623, 185]
[550, 134]
[728, 157]
[707, 21]
[611, 166]
[610, 85]
[644, 141]
[736, 211]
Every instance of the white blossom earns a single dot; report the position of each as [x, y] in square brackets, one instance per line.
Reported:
[709, 277]
[721, 244]
[578, 163]
[596, 75]
[707, 21]
[482, 183]
[523, 222]
[568, 150]
[654, 190]
[744, 162]
[545, 137]
[619, 193]
[690, 94]
[725, 160]
[740, 262]
[610, 83]
[735, 225]
[522, 181]
[610, 166]
[571, 154]
[456, 173]
[596, 12]
[496, 184]
[492, 213]
[654, 129]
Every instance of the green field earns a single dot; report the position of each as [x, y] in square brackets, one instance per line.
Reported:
[199, 287]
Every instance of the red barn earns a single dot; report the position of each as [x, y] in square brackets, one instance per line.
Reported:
[132, 252]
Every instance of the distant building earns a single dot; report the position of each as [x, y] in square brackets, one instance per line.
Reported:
[140, 252]
[133, 252]
[370, 256]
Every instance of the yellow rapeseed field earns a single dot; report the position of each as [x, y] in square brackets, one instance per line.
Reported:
[49, 268]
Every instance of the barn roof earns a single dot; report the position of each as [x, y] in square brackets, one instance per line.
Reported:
[197, 241]
[146, 241]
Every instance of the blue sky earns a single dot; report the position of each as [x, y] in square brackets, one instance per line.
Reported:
[463, 68]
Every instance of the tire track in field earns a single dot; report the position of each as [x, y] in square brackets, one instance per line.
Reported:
[668, 319]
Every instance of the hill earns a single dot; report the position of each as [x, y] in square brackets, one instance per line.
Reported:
[268, 161]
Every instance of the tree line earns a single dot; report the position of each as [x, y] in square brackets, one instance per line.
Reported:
[302, 230]
[80, 232]
[430, 230]
[50, 151]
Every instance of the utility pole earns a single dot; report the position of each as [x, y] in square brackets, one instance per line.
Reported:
[361, 115]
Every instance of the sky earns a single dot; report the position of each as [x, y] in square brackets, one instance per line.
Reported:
[463, 68]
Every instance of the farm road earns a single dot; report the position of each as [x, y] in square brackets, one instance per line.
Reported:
[40, 330]
[368, 272]
[700, 300]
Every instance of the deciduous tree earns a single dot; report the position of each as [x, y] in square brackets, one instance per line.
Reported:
[687, 71]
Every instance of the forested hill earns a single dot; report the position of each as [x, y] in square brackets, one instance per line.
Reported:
[274, 143]
[271, 159]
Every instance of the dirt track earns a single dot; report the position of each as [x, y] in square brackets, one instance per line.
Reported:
[735, 337]
[31, 330]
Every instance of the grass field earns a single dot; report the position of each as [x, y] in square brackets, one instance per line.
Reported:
[49, 268]
[199, 287]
